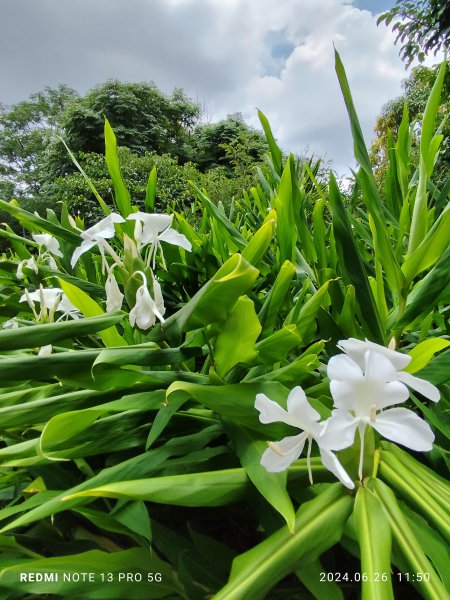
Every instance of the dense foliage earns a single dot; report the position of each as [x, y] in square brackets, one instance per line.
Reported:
[422, 26]
[148, 359]
[155, 128]
[417, 89]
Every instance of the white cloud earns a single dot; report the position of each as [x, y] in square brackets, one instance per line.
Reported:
[233, 55]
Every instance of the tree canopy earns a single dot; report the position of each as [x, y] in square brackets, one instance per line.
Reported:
[422, 26]
[417, 88]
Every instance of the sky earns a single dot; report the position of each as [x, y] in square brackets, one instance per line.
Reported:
[229, 55]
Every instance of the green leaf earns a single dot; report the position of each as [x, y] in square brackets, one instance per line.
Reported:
[308, 313]
[276, 297]
[277, 156]
[431, 248]
[275, 347]
[270, 485]
[94, 564]
[122, 195]
[258, 244]
[213, 488]
[430, 541]
[424, 352]
[90, 308]
[49, 333]
[370, 194]
[374, 536]
[235, 343]
[286, 228]
[150, 191]
[321, 589]
[221, 219]
[213, 301]
[427, 292]
[35, 223]
[318, 526]
[396, 474]
[407, 543]
[351, 263]
[105, 208]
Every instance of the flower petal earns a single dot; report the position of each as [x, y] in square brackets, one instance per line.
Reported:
[422, 386]
[85, 246]
[343, 368]
[357, 348]
[406, 428]
[378, 368]
[331, 462]
[173, 237]
[338, 431]
[299, 407]
[270, 411]
[279, 455]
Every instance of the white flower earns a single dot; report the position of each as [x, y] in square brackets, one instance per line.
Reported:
[147, 310]
[356, 350]
[49, 242]
[114, 297]
[300, 414]
[97, 236]
[45, 350]
[362, 391]
[155, 228]
[29, 263]
[10, 324]
[51, 300]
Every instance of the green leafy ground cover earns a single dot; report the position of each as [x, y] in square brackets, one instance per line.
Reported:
[131, 445]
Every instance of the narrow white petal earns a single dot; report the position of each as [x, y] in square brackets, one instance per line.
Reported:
[299, 407]
[270, 411]
[279, 455]
[338, 431]
[331, 462]
[422, 386]
[85, 246]
[173, 237]
[406, 428]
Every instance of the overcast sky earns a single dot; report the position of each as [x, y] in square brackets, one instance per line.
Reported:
[230, 55]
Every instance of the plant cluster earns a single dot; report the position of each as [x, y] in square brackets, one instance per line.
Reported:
[157, 370]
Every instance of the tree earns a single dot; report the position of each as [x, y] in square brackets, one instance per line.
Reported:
[417, 89]
[220, 144]
[422, 26]
[143, 118]
[26, 129]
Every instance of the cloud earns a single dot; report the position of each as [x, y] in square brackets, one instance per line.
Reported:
[233, 56]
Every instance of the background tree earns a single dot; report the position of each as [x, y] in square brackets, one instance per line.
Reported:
[143, 118]
[422, 26]
[26, 129]
[225, 143]
[416, 91]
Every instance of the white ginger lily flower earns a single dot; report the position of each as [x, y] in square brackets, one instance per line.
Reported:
[49, 242]
[147, 309]
[51, 300]
[153, 228]
[114, 297]
[29, 263]
[356, 350]
[362, 391]
[300, 414]
[97, 236]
